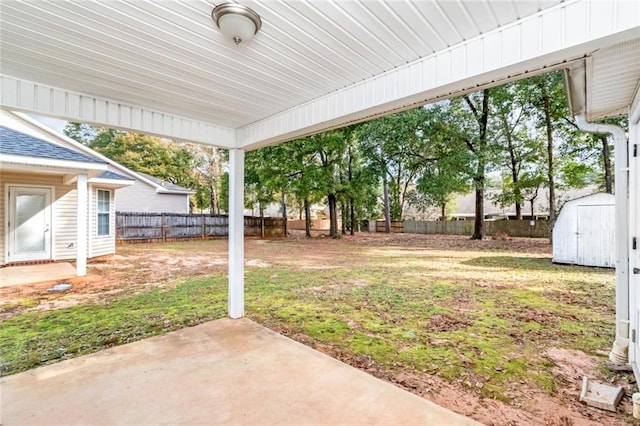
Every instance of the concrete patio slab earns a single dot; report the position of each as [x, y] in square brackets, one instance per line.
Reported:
[222, 372]
[31, 274]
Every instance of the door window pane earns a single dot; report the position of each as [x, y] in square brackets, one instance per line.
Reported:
[31, 226]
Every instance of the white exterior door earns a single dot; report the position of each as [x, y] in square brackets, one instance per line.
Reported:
[596, 236]
[29, 223]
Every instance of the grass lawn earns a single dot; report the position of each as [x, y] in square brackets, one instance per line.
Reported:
[480, 316]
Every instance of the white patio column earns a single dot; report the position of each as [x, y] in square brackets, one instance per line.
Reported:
[236, 233]
[81, 227]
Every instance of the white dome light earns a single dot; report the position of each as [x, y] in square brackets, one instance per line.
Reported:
[236, 22]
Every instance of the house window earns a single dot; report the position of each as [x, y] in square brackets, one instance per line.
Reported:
[104, 208]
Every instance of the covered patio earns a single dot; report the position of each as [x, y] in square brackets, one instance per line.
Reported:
[163, 68]
[222, 372]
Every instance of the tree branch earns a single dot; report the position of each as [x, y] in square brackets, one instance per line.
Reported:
[472, 106]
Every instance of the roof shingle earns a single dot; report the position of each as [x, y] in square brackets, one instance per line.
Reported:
[13, 142]
[111, 175]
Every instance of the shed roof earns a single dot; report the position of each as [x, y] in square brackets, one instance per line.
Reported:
[598, 198]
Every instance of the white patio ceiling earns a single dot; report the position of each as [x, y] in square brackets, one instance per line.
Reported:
[163, 67]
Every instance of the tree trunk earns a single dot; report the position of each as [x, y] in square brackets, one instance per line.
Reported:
[352, 213]
[215, 199]
[352, 216]
[261, 221]
[550, 170]
[343, 215]
[514, 177]
[513, 166]
[443, 211]
[478, 225]
[387, 208]
[307, 218]
[606, 159]
[532, 201]
[483, 120]
[284, 214]
[398, 196]
[333, 219]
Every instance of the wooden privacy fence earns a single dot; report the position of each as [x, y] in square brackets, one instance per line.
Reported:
[397, 226]
[316, 224]
[512, 228]
[151, 227]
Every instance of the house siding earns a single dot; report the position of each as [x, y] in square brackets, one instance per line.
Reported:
[142, 197]
[64, 225]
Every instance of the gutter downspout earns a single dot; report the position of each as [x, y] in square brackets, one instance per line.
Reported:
[620, 351]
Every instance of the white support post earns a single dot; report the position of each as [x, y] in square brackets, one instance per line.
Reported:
[81, 226]
[236, 233]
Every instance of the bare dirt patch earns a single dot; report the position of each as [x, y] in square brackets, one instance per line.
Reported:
[137, 268]
[110, 277]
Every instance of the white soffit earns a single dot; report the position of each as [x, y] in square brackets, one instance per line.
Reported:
[139, 63]
[553, 38]
[613, 78]
[163, 68]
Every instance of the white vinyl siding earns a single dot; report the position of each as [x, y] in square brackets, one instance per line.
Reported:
[143, 197]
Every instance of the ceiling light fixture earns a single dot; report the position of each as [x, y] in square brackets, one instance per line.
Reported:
[236, 22]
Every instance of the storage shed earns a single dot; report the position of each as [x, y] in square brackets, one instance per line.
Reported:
[584, 233]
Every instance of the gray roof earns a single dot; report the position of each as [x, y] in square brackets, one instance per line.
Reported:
[110, 175]
[13, 142]
[465, 204]
[166, 185]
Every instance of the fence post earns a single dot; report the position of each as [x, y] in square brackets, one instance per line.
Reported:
[164, 227]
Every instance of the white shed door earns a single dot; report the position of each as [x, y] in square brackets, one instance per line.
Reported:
[596, 236]
[29, 224]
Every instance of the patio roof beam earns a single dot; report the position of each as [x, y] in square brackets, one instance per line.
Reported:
[17, 94]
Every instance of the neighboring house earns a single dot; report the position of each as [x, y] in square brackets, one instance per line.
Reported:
[465, 204]
[57, 203]
[148, 195]
[152, 195]
[584, 233]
